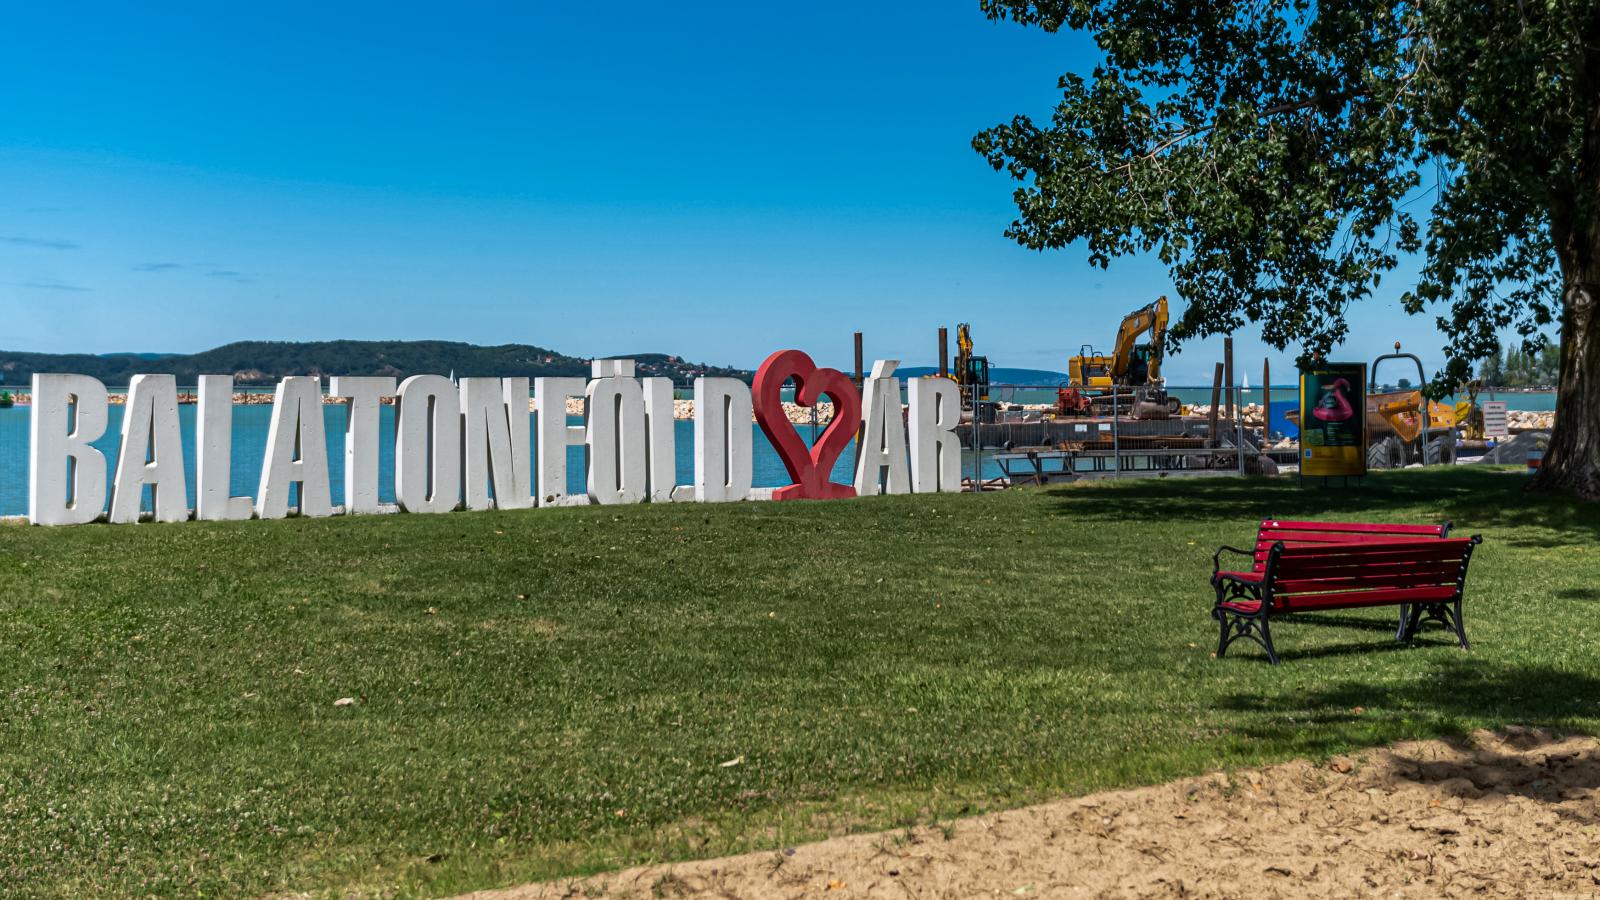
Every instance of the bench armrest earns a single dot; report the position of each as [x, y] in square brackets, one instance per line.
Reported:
[1216, 558]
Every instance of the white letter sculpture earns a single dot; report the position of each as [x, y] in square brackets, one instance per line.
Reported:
[361, 419]
[935, 408]
[662, 458]
[297, 451]
[151, 453]
[723, 440]
[427, 455]
[614, 422]
[882, 467]
[67, 477]
[555, 436]
[213, 454]
[494, 413]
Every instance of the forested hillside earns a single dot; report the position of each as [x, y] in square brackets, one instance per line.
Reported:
[264, 362]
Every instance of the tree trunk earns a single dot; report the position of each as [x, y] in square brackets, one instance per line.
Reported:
[1572, 461]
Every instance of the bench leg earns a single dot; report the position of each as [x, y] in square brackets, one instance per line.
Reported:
[1446, 614]
[1461, 627]
[1266, 640]
[1233, 626]
[1410, 621]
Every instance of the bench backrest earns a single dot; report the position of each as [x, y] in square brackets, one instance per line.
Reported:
[1341, 576]
[1298, 534]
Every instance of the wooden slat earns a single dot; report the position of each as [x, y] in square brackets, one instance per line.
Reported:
[1298, 568]
[1322, 573]
[1354, 527]
[1352, 599]
[1329, 537]
[1417, 549]
[1400, 578]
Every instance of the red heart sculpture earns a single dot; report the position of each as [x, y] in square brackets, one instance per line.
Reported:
[808, 469]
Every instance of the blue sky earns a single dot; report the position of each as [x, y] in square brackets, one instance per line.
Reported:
[716, 180]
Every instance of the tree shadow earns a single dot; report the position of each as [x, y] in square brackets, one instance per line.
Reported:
[1288, 653]
[1453, 694]
[1531, 771]
[1360, 623]
[1476, 500]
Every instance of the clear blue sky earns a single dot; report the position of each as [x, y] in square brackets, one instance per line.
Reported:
[716, 180]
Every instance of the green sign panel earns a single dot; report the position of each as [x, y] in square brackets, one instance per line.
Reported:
[1333, 421]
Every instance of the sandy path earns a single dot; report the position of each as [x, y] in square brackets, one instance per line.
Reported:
[1499, 815]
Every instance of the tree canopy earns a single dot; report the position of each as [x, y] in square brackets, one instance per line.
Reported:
[1281, 157]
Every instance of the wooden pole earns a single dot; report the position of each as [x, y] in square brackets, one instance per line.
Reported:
[860, 382]
[1227, 370]
[1266, 400]
[944, 352]
[1216, 402]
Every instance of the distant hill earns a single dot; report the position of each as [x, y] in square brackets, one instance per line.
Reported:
[264, 362]
[997, 375]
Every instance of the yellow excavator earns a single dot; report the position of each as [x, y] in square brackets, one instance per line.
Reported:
[1130, 376]
[972, 373]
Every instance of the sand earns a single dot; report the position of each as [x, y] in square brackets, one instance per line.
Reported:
[1494, 815]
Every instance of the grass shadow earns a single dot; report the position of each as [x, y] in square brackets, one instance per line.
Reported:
[1360, 623]
[1457, 693]
[1474, 499]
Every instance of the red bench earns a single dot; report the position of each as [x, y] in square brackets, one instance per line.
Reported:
[1424, 575]
[1297, 534]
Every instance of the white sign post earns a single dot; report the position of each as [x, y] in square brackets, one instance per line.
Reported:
[1494, 419]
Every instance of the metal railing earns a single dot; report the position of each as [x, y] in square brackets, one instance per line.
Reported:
[1033, 441]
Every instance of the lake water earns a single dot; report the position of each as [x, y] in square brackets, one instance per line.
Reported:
[250, 439]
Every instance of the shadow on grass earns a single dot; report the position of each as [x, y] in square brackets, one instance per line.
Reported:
[1288, 653]
[1474, 499]
[1387, 625]
[1454, 696]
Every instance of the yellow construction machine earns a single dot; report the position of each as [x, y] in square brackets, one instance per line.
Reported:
[1404, 428]
[1129, 377]
[972, 373]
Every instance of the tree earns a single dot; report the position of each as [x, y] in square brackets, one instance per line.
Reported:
[1493, 372]
[1549, 365]
[1281, 156]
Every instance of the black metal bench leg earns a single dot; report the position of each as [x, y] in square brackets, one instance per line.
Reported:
[1405, 616]
[1266, 640]
[1461, 628]
[1412, 622]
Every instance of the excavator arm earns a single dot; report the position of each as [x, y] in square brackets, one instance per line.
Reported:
[1152, 318]
[963, 352]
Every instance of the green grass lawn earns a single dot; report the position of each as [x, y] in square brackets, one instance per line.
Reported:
[558, 691]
